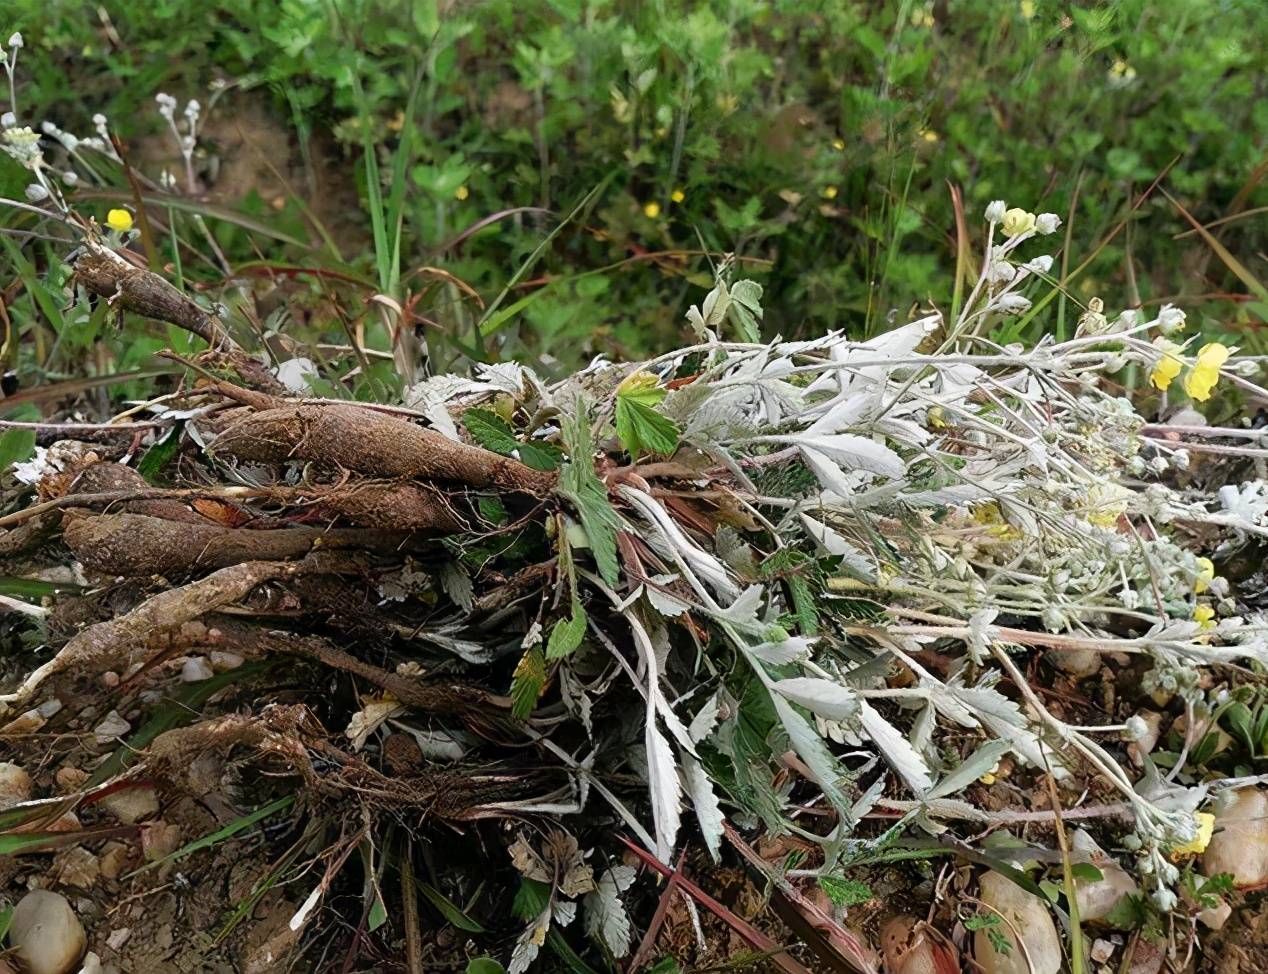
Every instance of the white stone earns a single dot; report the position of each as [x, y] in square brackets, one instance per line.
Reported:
[46, 936]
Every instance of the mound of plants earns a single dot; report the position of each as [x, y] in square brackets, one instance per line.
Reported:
[927, 651]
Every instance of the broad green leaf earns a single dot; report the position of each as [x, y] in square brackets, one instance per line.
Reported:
[492, 432]
[567, 634]
[641, 429]
[16, 446]
[745, 310]
[579, 484]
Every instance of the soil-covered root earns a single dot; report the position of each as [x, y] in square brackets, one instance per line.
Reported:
[108, 477]
[136, 544]
[118, 643]
[374, 443]
[382, 504]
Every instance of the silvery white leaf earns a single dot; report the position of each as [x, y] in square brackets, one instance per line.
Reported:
[805, 740]
[853, 452]
[788, 651]
[705, 801]
[662, 775]
[705, 720]
[529, 943]
[973, 767]
[829, 474]
[564, 912]
[606, 919]
[894, 748]
[297, 374]
[661, 600]
[832, 542]
[822, 697]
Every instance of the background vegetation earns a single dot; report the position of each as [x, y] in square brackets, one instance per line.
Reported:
[818, 140]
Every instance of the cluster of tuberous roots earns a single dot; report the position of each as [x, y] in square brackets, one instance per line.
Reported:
[271, 541]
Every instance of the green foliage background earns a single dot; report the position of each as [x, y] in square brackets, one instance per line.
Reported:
[817, 138]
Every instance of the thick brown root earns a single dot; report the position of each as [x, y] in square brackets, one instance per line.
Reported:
[403, 506]
[372, 443]
[135, 544]
[106, 477]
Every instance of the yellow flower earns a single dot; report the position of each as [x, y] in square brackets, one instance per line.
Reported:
[828, 192]
[1017, 221]
[651, 210]
[1205, 372]
[1204, 616]
[678, 196]
[461, 193]
[929, 135]
[1027, 9]
[1197, 845]
[988, 778]
[1206, 575]
[838, 144]
[1168, 366]
[120, 220]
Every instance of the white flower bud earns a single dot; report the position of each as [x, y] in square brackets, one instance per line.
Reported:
[1047, 223]
[15, 40]
[1164, 899]
[995, 211]
[1013, 304]
[1170, 319]
[1180, 459]
[1000, 272]
[70, 178]
[8, 120]
[1039, 265]
[36, 193]
[99, 120]
[1136, 728]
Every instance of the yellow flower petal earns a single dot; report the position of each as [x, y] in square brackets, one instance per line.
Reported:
[1204, 616]
[838, 144]
[829, 192]
[1197, 845]
[120, 220]
[1205, 373]
[678, 196]
[651, 210]
[1017, 221]
[1168, 366]
[1206, 575]
[461, 193]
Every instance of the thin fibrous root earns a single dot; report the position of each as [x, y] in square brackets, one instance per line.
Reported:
[136, 545]
[372, 443]
[116, 643]
[291, 733]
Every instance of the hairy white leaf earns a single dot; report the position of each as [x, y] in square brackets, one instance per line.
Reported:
[662, 775]
[605, 916]
[705, 720]
[832, 542]
[853, 452]
[973, 767]
[788, 651]
[822, 697]
[705, 801]
[805, 740]
[894, 748]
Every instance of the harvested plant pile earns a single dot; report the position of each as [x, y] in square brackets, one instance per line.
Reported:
[827, 598]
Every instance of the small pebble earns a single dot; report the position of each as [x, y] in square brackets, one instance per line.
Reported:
[69, 779]
[111, 728]
[15, 785]
[46, 936]
[131, 805]
[196, 669]
[118, 938]
[221, 661]
[1102, 950]
[110, 679]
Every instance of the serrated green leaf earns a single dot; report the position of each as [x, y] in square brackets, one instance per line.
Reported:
[528, 682]
[579, 484]
[157, 456]
[567, 634]
[492, 432]
[845, 892]
[641, 429]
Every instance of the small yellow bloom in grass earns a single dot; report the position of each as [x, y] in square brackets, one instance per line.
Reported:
[929, 135]
[1027, 9]
[1197, 845]
[1017, 221]
[838, 144]
[1204, 616]
[828, 192]
[120, 220]
[1168, 366]
[651, 210]
[461, 193]
[1205, 372]
[678, 196]
[1206, 575]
